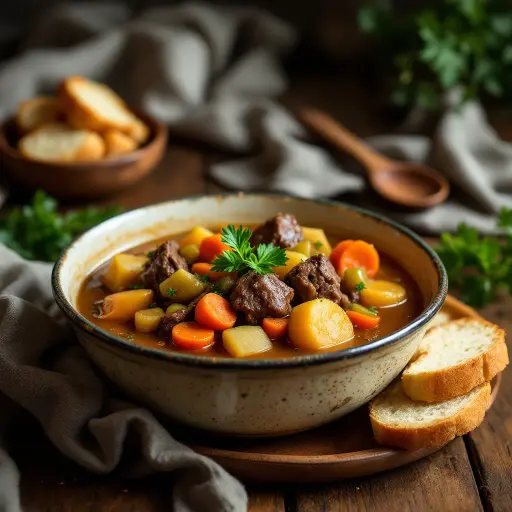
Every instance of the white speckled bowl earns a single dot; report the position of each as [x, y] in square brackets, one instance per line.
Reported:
[249, 397]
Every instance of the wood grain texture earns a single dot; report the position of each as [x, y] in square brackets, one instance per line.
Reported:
[262, 499]
[443, 481]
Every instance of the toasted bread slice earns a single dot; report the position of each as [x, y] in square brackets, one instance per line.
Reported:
[93, 106]
[51, 127]
[36, 112]
[118, 143]
[62, 145]
[453, 358]
[399, 421]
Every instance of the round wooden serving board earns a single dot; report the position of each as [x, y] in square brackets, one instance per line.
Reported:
[342, 449]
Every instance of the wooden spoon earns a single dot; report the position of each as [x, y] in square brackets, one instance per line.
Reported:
[406, 183]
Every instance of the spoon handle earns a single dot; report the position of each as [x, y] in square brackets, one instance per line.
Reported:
[335, 133]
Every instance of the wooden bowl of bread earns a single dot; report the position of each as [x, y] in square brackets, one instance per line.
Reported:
[83, 142]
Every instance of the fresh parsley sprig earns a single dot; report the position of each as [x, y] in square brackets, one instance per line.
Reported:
[37, 231]
[478, 266]
[244, 257]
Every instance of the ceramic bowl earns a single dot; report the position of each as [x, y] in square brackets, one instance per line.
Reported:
[69, 180]
[249, 397]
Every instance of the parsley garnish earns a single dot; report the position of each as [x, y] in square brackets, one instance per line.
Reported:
[39, 232]
[478, 266]
[243, 257]
[171, 292]
[153, 305]
[216, 289]
[137, 286]
[318, 244]
[373, 309]
[129, 336]
[205, 279]
[360, 286]
[150, 254]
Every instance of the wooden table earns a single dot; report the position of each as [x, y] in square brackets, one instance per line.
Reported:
[470, 473]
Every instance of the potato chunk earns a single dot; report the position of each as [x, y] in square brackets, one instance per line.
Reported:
[382, 293]
[182, 286]
[319, 324]
[147, 320]
[294, 258]
[195, 237]
[245, 340]
[123, 270]
[122, 306]
[318, 239]
[303, 247]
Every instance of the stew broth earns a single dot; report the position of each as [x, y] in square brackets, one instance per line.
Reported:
[392, 318]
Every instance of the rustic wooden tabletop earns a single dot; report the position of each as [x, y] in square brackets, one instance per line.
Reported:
[470, 473]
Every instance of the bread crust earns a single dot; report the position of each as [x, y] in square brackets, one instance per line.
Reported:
[436, 434]
[83, 115]
[92, 148]
[118, 143]
[457, 380]
[50, 111]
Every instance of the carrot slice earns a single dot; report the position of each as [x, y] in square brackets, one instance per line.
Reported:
[215, 312]
[363, 321]
[338, 251]
[211, 247]
[205, 269]
[275, 328]
[359, 254]
[192, 336]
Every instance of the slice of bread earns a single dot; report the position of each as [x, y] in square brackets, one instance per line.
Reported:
[404, 423]
[62, 145]
[453, 358]
[93, 106]
[32, 114]
[117, 143]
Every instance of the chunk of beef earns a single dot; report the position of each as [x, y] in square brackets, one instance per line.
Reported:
[316, 278]
[168, 321]
[283, 231]
[259, 296]
[165, 260]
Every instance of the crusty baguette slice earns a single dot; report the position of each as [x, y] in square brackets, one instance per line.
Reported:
[62, 145]
[455, 357]
[404, 423]
[33, 113]
[117, 143]
[93, 106]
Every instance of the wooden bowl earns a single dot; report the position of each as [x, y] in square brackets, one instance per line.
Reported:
[82, 179]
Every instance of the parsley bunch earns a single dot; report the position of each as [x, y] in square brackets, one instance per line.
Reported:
[479, 266]
[463, 44]
[244, 257]
[38, 232]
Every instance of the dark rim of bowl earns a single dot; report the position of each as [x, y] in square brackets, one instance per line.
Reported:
[236, 364]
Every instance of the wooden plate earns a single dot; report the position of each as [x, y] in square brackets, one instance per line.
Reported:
[342, 449]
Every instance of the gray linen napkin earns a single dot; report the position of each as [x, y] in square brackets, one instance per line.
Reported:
[211, 74]
[76, 410]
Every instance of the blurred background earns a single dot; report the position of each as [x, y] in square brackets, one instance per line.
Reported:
[227, 79]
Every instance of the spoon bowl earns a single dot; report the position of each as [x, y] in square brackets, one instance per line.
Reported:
[408, 184]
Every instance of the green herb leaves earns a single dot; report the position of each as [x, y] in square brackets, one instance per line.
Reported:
[38, 232]
[454, 44]
[243, 257]
[360, 286]
[478, 266]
